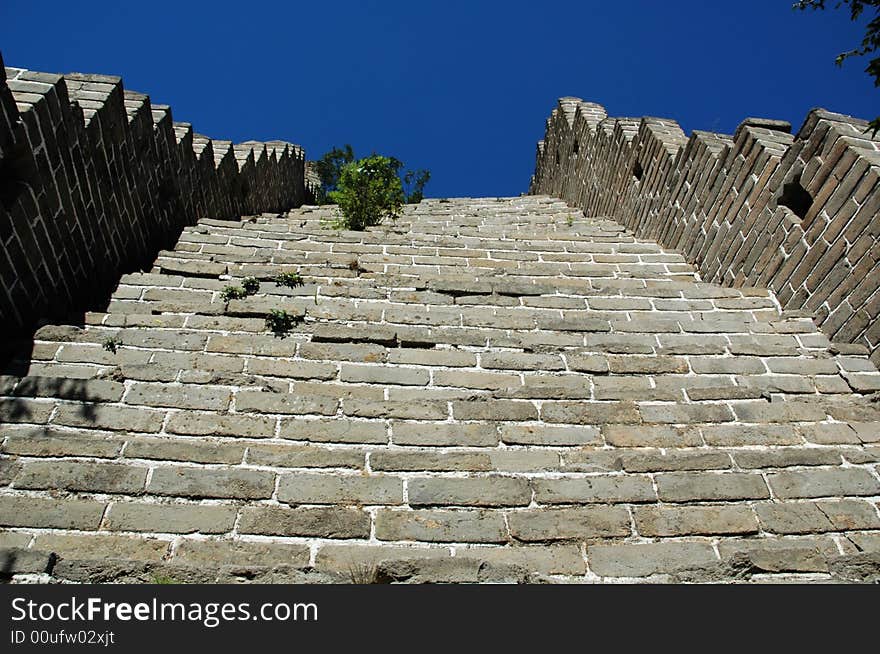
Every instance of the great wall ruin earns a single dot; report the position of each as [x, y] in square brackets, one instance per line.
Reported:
[657, 366]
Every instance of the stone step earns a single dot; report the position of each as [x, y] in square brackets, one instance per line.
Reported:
[485, 389]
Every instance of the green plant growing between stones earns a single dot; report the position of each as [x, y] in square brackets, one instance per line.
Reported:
[288, 279]
[164, 580]
[251, 285]
[279, 322]
[363, 573]
[111, 344]
[569, 220]
[233, 293]
[369, 191]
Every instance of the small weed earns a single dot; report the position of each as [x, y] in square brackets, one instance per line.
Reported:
[279, 322]
[164, 580]
[362, 573]
[569, 220]
[111, 344]
[251, 285]
[288, 279]
[233, 293]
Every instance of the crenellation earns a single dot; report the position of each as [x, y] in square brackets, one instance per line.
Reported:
[724, 201]
[96, 179]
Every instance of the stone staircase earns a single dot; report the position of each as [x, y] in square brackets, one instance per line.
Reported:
[484, 390]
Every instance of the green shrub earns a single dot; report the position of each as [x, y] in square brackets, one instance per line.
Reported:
[279, 322]
[251, 285]
[233, 293]
[288, 279]
[368, 191]
[111, 344]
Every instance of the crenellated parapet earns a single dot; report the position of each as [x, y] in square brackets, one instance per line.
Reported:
[799, 214]
[95, 180]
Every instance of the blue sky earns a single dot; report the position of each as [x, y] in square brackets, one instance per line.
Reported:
[460, 88]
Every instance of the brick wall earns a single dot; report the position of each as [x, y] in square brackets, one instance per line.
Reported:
[798, 214]
[95, 180]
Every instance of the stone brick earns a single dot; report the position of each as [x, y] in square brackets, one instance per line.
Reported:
[383, 375]
[444, 434]
[209, 553]
[549, 435]
[304, 456]
[785, 457]
[303, 488]
[286, 403]
[738, 435]
[432, 460]
[355, 560]
[672, 460]
[439, 526]
[651, 436]
[476, 380]
[643, 560]
[593, 413]
[103, 547]
[296, 368]
[115, 418]
[41, 513]
[764, 412]
[685, 413]
[426, 410]
[239, 426]
[178, 449]
[85, 390]
[594, 489]
[41, 441]
[322, 522]
[694, 520]
[82, 476]
[171, 518]
[710, 486]
[831, 482]
[474, 491]
[212, 482]
[539, 525]
[494, 410]
[518, 361]
[550, 559]
[18, 410]
[421, 357]
[334, 430]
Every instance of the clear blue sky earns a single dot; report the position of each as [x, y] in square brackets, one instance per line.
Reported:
[461, 88]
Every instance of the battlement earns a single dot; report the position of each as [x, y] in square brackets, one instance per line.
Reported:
[95, 180]
[797, 214]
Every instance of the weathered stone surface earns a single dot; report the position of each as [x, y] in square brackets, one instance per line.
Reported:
[302, 488]
[475, 491]
[833, 482]
[695, 520]
[326, 522]
[82, 476]
[643, 560]
[212, 482]
[703, 486]
[441, 526]
[485, 392]
[241, 553]
[41, 513]
[538, 525]
[595, 489]
[171, 518]
[91, 546]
